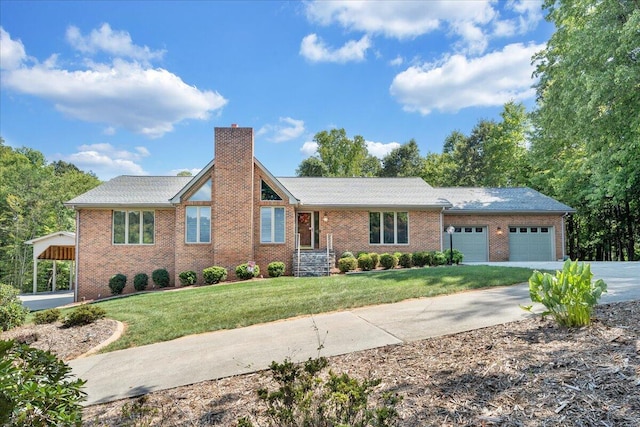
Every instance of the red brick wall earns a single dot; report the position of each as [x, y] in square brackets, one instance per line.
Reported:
[99, 259]
[499, 243]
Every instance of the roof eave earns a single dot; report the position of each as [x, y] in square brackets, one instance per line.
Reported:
[76, 206]
[508, 211]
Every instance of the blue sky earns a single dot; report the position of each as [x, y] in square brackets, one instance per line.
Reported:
[136, 88]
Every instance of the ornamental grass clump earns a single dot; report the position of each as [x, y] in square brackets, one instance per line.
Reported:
[569, 296]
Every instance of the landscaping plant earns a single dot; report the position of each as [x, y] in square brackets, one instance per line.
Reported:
[213, 275]
[12, 312]
[365, 263]
[569, 296]
[140, 281]
[161, 277]
[188, 278]
[244, 272]
[117, 282]
[84, 315]
[388, 261]
[421, 258]
[347, 264]
[46, 316]
[405, 260]
[375, 258]
[275, 269]
[457, 256]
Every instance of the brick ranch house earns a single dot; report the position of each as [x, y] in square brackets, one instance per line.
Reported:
[235, 211]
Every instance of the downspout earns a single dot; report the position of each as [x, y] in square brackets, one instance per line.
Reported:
[562, 236]
[75, 287]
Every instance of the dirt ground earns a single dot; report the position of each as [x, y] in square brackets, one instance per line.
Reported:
[526, 373]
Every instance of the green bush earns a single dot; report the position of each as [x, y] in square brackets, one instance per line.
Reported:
[388, 261]
[12, 312]
[347, 264]
[275, 269]
[569, 296]
[406, 260]
[244, 272]
[304, 396]
[161, 277]
[347, 254]
[140, 281]
[117, 282]
[438, 258]
[46, 316]
[365, 262]
[37, 389]
[375, 258]
[457, 256]
[188, 278]
[83, 315]
[421, 258]
[213, 275]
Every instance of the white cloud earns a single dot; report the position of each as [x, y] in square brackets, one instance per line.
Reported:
[314, 49]
[380, 149]
[120, 94]
[397, 61]
[291, 129]
[459, 82]
[309, 148]
[106, 161]
[12, 53]
[194, 171]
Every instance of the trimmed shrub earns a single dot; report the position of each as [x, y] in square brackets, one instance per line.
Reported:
[347, 254]
[457, 256]
[365, 263]
[244, 272]
[421, 258]
[347, 264]
[405, 260]
[388, 261]
[140, 281]
[12, 312]
[46, 316]
[37, 389]
[84, 315]
[375, 258]
[117, 282]
[438, 258]
[213, 275]
[275, 269]
[188, 278]
[161, 277]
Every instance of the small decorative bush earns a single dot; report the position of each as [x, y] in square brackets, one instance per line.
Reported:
[161, 277]
[438, 258]
[375, 258]
[117, 282]
[245, 272]
[405, 260]
[188, 278]
[12, 312]
[84, 315]
[276, 269]
[421, 258]
[388, 261]
[569, 296]
[457, 256]
[365, 262]
[347, 254]
[213, 275]
[347, 264]
[140, 281]
[46, 316]
[37, 389]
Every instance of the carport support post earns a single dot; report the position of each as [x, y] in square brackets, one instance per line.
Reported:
[35, 275]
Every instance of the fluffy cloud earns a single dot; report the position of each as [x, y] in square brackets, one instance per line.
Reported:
[12, 53]
[380, 149]
[315, 50]
[459, 82]
[309, 148]
[106, 161]
[287, 130]
[120, 94]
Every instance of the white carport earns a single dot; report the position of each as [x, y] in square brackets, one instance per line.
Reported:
[59, 246]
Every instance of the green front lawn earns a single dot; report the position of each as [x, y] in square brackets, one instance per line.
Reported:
[162, 316]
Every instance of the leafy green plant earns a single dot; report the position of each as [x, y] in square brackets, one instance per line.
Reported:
[304, 397]
[140, 281]
[347, 254]
[569, 296]
[457, 256]
[84, 315]
[37, 389]
[406, 260]
[215, 274]
[437, 258]
[12, 312]
[161, 277]
[117, 282]
[347, 264]
[46, 316]
[188, 278]
[388, 261]
[365, 262]
[421, 258]
[275, 269]
[375, 258]
[246, 272]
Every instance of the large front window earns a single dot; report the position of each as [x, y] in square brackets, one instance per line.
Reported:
[198, 224]
[388, 228]
[133, 227]
[271, 225]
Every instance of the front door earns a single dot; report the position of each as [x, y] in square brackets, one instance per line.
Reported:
[306, 229]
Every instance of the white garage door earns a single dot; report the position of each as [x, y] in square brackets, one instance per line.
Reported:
[471, 241]
[531, 244]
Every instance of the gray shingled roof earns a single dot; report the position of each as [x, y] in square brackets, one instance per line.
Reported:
[363, 192]
[514, 199]
[133, 190]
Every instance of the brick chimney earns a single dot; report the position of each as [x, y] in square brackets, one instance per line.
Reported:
[233, 197]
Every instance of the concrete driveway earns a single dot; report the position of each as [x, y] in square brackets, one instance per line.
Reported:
[45, 300]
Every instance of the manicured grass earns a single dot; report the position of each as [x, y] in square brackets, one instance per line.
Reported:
[162, 316]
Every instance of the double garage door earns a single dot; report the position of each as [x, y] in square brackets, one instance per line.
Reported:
[525, 243]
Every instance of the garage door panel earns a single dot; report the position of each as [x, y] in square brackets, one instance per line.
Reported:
[531, 244]
[471, 241]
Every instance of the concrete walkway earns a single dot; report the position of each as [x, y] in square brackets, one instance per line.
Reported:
[220, 354]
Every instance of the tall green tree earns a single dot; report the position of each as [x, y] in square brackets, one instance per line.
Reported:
[341, 155]
[403, 161]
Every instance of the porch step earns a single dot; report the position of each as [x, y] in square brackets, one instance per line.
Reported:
[313, 263]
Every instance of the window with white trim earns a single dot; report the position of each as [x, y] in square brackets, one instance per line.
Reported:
[203, 194]
[272, 224]
[389, 228]
[198, 224]
[133, 227]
